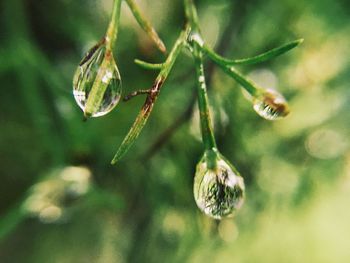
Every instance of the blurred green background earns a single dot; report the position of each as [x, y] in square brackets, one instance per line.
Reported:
[61, 201]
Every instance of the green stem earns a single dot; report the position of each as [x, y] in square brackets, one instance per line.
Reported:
[252, 60]
[168, 64]
[226, 64]
[112, 31]
[203, 102]
[191, 15]
[252, 88]
[149, 66]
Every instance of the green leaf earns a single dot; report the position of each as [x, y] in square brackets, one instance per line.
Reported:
[253, 60]
[140, 120]
[150, 66]
[152, 96]
[131, 136]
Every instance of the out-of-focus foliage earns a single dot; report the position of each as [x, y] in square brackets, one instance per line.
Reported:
[297, 171]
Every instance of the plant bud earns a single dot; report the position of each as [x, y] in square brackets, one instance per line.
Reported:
[97, 69]
[218, 192]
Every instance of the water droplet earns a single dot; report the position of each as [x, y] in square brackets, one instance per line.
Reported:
[87, 74]
[271, 105]
[218, 192]
[196, 37]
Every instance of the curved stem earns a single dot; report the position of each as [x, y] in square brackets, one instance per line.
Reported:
[252, 88]
[252, 60]
[149, 66]
[226, 64]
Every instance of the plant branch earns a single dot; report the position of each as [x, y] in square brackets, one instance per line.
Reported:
[152, 96]
[234, 22]
[252, 60]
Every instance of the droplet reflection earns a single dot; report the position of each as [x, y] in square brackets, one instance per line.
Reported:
[86, 76]
[271, 105]
[220, 192]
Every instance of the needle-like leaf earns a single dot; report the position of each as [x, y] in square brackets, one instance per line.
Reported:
[253, 60]
[146, 25]
[151, 97]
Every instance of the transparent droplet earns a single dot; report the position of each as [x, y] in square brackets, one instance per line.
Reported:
[271, 105]
[196, 37]
[85, 77]
[218, 192]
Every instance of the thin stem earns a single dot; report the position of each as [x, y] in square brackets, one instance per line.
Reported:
[252, 88]
[226, 65]
[149, 66]
[112, 31]
[234, 20]
[252, 60]
[136, 93]
[191, 15]
[203, 103]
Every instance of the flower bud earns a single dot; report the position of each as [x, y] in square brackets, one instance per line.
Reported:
[218, 192]
[99, 70]
[271, 105]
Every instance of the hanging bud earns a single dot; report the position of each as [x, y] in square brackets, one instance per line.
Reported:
[271, 105]
[97, 83]
[218, 192]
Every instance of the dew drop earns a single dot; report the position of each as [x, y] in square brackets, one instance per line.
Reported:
[271, 105]
[196, 37]
[218, 192]
[85, 76]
